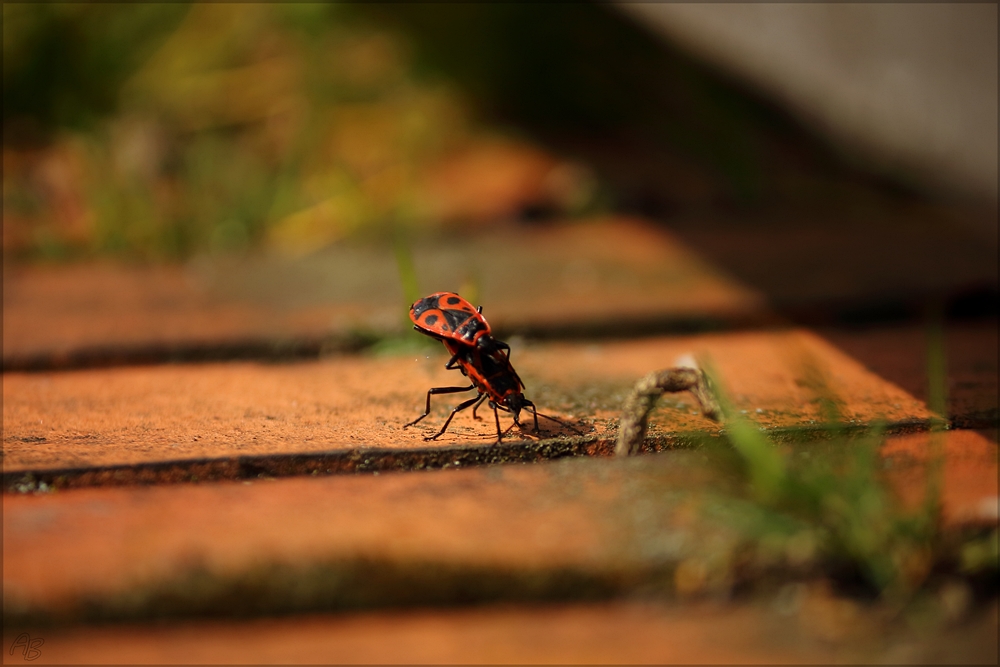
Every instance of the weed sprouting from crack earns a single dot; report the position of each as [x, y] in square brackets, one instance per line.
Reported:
[832, 512]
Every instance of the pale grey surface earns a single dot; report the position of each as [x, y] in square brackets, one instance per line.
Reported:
[910, 87]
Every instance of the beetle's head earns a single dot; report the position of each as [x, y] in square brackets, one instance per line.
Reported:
[515, 403]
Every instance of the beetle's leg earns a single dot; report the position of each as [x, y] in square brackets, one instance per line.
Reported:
[496, 415]
[458, 408]
[437, 390]
[450, 366]
[504, 346]
[428, 333]
[475, 407]
[534, 413]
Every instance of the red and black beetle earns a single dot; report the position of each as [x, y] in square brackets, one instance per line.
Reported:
[483, 359]
[447, 316]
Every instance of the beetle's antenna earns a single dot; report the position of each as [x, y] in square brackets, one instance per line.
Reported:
[559, 421]
[539, 414]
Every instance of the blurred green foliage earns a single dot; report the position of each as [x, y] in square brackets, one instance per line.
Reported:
[832, 507]
[63, 64]
[162, 130]
[159, 131]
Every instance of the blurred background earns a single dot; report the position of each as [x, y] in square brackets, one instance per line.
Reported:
[204, 181]
[160, 132]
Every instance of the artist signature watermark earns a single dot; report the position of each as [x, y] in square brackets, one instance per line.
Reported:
[29, 648]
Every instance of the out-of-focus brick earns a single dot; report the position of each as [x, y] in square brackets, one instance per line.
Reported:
[611, 633]
[899, 354]
[782, 632]
[969, 472]
[863, 260]
[565, 530]
[617, 271]
[391, 539]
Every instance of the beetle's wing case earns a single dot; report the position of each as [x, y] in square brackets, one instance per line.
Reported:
[446, 314]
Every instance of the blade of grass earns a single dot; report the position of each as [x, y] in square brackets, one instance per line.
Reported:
[937, 400]
[406, 268]
[765, 463]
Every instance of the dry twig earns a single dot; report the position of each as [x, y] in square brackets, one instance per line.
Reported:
[642, 400]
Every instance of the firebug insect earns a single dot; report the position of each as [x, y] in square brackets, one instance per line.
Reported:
[447, 316]
[483, 359]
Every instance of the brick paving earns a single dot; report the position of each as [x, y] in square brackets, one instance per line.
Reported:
[158, 414]
[898, 354]
[268, 530]
[618, 270]
[600, 633]
[571, 528]
[629, 633]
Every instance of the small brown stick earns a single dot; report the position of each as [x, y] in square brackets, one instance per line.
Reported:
[642, 400]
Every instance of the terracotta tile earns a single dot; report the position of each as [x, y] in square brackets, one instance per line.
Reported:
[970, 475]
[154, 414]
[603, 633]
[57, 312]
[629, 633]
[564, 530]
[779, 377]
[621, 271]
[119, 545]
[899, 355]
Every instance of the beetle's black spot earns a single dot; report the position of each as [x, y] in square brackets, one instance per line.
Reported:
[423, 305]
[431, 319]
[453, 300]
